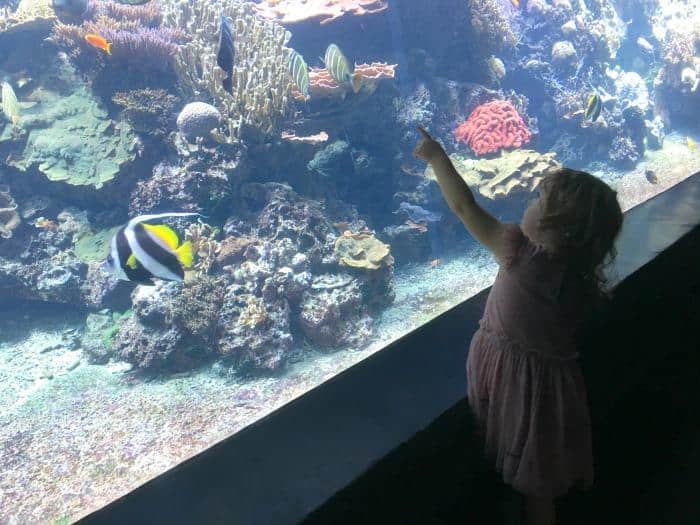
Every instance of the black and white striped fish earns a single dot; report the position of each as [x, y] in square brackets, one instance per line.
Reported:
[140, 251]
[226, 55]
[300, 73]
[339, 68]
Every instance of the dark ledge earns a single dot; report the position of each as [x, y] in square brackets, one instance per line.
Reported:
[281, 468]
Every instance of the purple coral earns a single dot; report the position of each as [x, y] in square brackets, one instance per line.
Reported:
[150, 48]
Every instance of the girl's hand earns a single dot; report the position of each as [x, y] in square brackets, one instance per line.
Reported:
[427, 149]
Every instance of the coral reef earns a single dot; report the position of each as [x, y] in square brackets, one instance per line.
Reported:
[325, 11]
[69, 137]
[136, 39]
[261, 81]
[9, 218]
[147, 110]
[492, 127]
[512, 172]
[492, 21]
[333, 314]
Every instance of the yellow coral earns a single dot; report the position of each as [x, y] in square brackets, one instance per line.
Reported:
[30, 15]
[362, 250]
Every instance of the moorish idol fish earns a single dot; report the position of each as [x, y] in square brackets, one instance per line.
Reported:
[224, 59]
[339, 68]
[300, 73]
[140, 251]
[593, 107]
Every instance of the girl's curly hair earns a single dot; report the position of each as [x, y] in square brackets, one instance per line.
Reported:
[583, 213]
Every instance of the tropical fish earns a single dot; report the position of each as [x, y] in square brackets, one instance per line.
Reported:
[651, 176]
[516, 3]
[418, 213]
[435, 262]
[593, 107]
[691, 144]
[339, 68]
[99, 42]
[300, 73]
[10, 105]
[140, 251]
[227, 53]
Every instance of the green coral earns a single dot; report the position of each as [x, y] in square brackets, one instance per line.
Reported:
[69, 136]
[111, 328]
[94, 247]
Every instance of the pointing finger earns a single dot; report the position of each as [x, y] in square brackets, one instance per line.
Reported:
[424, 133]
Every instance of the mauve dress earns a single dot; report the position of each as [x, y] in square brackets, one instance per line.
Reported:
[525, 386]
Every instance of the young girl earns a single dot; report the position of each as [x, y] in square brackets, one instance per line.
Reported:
[524, 383]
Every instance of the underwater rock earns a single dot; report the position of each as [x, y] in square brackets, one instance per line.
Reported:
[564, 54]
[332, 313]
[198, 119]
[493, 23]
[186, 188]
[172, 328]
[518, 171]
[655, 133]
[96, 340]
[147, 110]
[254, 335]
[632, 92]
[623, 152]
[9, 218]
[69, 137]
[103, 290]
[362, 250]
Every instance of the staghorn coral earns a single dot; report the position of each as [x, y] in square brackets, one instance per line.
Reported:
[261, 80]
[362, 250]
[325, 11]
[493, 126]
[518, 171]
[9, 218]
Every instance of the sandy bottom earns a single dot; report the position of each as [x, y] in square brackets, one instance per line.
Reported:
[75, 436]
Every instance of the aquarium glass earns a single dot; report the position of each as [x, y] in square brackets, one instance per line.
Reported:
[210, 207]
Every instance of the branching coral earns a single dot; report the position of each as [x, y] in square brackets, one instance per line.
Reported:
[261, 80]
[493, 126]
[148, 15]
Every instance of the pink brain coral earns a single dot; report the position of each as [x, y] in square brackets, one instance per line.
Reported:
[493, 126]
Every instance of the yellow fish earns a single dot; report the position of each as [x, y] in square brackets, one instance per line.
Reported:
[691, 144]
[10, 105]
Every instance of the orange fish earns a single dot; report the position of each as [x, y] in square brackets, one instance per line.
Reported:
[99, 42]
[516, 3]
[434, 263]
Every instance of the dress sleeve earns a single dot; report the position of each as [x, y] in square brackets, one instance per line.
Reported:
[513, 242]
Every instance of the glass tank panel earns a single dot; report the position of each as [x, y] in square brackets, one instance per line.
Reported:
[210, 207]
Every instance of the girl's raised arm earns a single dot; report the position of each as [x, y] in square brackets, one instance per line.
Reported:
[483, 226]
